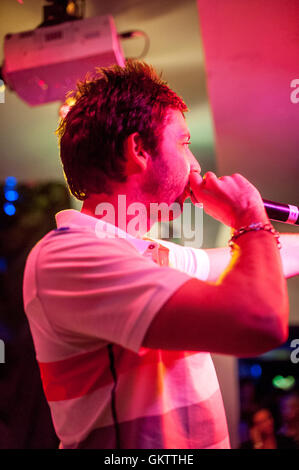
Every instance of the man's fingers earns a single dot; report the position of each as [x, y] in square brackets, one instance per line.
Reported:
[195, 179]
[209, 175]
[199, 183]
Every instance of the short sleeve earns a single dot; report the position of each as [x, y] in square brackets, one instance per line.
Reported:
[193, 261]
[101, 288]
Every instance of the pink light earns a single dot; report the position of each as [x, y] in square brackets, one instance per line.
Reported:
[42, 84]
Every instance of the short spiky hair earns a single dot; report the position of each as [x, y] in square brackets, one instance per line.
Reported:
[109, 106]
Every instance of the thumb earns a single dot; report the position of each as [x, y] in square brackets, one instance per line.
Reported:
[195, 178]
[195, 181]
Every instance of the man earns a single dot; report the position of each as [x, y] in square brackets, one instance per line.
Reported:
[122, 336]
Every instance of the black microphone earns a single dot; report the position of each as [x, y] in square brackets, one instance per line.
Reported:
[286, 213]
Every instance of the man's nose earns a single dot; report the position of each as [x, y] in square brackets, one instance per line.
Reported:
[194, 165]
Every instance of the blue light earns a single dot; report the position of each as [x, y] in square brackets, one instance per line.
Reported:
[3, 264]
[9, 208]
[244, 370]
[256, 370]
[11, 181]
[11, 195]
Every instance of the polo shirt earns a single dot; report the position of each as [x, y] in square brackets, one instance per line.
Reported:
[90, 293]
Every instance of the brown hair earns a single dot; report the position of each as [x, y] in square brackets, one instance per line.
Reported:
[109, 106]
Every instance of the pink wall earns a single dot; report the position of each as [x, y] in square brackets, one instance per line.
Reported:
[252, 55]
[251, 50]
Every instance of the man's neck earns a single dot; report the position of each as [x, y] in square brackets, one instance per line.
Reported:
[120, 209]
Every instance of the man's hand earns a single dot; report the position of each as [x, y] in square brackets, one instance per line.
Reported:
[232, 200]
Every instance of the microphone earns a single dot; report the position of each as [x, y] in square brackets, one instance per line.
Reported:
[286, 213]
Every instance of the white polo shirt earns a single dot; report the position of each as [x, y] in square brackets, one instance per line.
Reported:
[89, 300]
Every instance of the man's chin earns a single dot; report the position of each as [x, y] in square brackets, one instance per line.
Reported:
[173, 209]
[178, 206]
[182, 198]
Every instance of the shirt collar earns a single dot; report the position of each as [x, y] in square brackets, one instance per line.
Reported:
[77, 218]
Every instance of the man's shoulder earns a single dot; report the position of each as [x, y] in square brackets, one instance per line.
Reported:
[76, 241]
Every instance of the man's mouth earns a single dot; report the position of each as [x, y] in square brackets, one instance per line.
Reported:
[187, 191]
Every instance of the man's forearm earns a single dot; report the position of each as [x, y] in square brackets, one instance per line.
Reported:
[244, 313]
[221, 257]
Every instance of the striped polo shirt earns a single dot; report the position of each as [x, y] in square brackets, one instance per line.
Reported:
[90, 293]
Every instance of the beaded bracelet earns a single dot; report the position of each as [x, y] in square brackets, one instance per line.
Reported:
[254, 228]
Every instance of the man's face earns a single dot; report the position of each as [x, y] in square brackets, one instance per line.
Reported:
[167, 177]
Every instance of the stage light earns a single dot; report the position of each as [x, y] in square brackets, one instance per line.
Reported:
[11, 195]
[10, 181]
[283, 383]
[9, 208]
[256, 370]
[42, 84]
[69, 51]
[3, 264]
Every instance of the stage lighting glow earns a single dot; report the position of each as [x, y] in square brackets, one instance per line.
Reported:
[42, 84]
[11, 195]
[283, 383]
[10, 181]
[9, 208]
[3, 264]
[65, 107]
[256, 370]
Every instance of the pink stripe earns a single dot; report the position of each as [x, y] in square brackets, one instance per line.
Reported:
[82, 374]
[197, 426]
[75, 376]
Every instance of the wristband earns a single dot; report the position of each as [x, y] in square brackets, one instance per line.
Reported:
[254, 228]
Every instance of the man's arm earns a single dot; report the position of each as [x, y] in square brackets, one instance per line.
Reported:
[220, 257]
[245, 312]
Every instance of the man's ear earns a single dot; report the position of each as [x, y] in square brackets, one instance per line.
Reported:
[136, 156]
